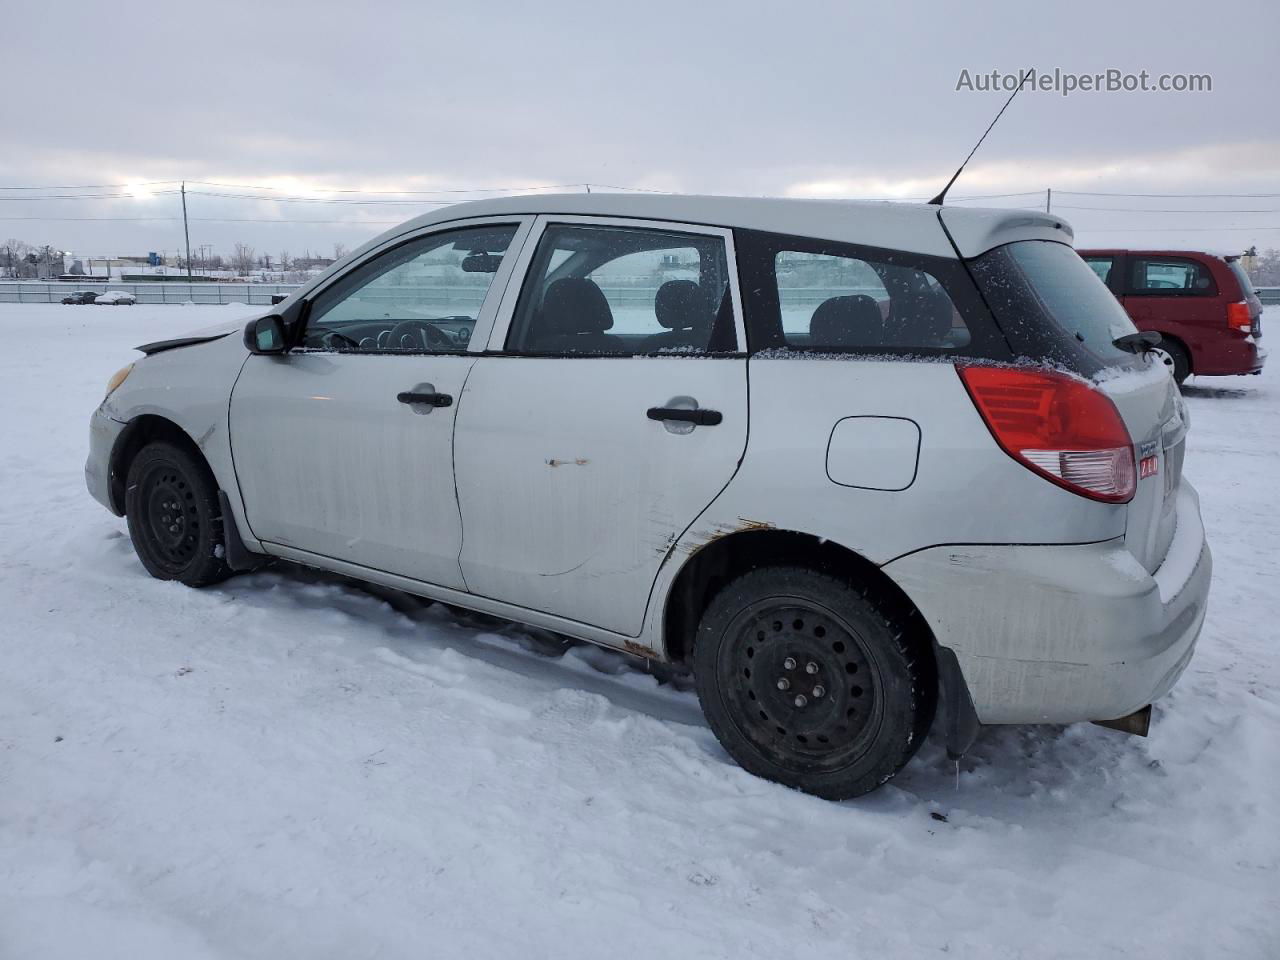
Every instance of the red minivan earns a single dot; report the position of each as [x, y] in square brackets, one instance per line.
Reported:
[1202, 304]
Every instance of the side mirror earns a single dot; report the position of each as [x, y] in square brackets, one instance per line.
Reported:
[265, 335]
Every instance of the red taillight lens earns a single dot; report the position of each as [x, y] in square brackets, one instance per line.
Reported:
[1238, 316]
[1060, 427]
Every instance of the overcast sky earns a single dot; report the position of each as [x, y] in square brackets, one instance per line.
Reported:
[783, 98]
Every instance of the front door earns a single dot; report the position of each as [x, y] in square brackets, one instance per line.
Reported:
[343, 446]
[609, 412]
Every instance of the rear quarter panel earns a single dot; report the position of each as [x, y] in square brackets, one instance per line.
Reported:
[965, 489]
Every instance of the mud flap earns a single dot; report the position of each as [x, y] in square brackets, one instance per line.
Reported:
[238, 556]
[958, 714]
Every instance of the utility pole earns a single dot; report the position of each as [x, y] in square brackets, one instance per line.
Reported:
[1048, 199]
[185, 232]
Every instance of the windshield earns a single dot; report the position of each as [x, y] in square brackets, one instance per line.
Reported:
[1041, 291]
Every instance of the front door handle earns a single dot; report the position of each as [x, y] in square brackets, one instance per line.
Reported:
[429, 399]
[699, 416]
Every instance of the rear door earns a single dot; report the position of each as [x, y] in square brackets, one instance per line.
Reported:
[609, 412]
[1171, 294]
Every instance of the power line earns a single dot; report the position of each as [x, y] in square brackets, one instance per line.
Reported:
[353, 223]
[1167, 196]
[247, 196]
[94, 186]
[1167, 209]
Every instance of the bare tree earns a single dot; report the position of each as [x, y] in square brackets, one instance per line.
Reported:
[242, 259]
[11, 255]
[339, 251]
[286, 261]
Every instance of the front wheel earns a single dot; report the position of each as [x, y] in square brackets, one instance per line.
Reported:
[175, 522]
[807, 682]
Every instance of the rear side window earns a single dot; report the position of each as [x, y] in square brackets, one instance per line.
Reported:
[1049, 303]
[823, 297]
[1169, 277]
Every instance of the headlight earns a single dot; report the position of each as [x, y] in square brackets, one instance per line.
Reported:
[118, 378]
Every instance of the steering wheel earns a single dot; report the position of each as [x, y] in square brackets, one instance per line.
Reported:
[433, 337]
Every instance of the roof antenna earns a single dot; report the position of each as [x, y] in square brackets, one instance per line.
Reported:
[937, 201]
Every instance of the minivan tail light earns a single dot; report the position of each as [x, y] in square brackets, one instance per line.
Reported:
[1060, 427]
[1239, 317]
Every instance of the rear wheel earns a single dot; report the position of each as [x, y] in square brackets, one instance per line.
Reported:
[807, 682]
[1174, 356]
[175, 522]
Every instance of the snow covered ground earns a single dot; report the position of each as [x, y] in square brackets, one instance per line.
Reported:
[291, 765]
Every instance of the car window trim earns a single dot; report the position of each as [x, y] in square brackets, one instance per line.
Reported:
[515, 285]
[488, 308]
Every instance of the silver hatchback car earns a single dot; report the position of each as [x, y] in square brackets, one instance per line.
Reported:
[857, 465]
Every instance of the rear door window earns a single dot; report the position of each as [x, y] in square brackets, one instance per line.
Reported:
[1169, 277]
[603, 290]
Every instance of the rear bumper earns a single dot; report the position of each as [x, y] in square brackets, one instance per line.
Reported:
[1228, 356]
[103, 433]
[1064, 633]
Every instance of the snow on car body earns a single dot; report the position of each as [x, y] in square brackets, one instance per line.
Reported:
[799, 445]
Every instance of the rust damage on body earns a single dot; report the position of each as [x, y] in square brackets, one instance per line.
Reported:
[640, 650]
[701, 538]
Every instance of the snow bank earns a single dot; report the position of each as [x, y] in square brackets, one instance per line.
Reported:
[291, 765]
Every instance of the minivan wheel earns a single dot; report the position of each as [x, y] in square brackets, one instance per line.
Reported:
[805, 681]
[171, 503]
[1174, 356]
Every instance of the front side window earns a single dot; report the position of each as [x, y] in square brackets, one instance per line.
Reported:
[623, 291]
[1169, 277]
[421, 297]
[1102, 267]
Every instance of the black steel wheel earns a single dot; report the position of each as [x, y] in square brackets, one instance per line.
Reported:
[171, 502]
[807, 682]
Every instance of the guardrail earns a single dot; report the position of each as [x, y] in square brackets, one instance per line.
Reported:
[1268, 295]
[26, 291]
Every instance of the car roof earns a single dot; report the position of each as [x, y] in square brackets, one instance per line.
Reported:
[911, 227]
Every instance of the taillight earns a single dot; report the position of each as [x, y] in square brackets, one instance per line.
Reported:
[1058, 426]
[1238, 316]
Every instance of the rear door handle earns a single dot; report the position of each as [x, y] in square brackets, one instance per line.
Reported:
[429, 399]
[700, 416]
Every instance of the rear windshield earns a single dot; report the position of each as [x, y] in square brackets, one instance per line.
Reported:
[1040, 290]
[1242, 278]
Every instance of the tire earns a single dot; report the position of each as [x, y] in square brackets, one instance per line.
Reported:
[1174, 356]
[175, 522]
[857, 701]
